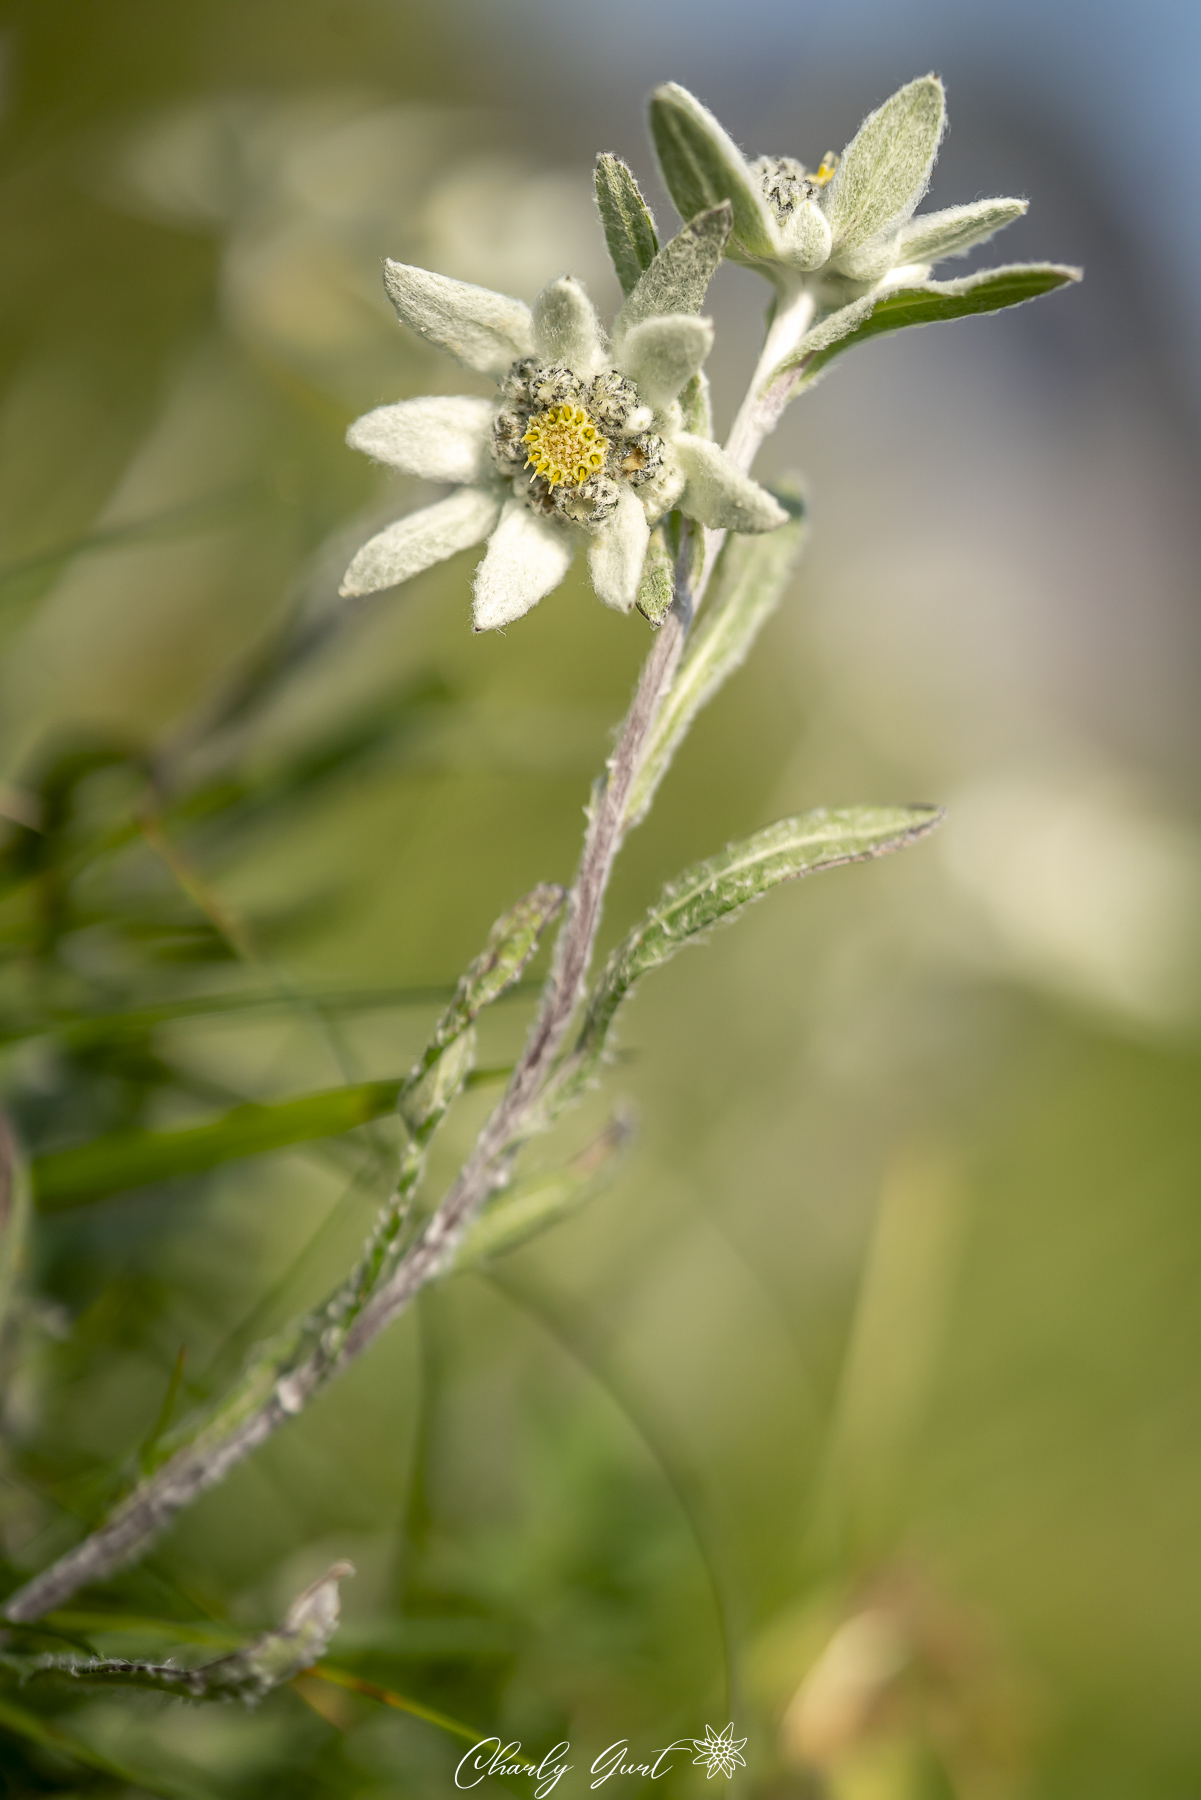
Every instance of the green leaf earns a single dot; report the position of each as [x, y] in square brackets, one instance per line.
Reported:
[51, 1736]
[926, 303]
[511, 943]
[247, 1673]
[87, 1031]
[749, 579]
[14, 1216]
[723, 885]
[677, 280]
[932, 236]
[130, 1159]
[883, 171]
[628, 224]
[525, 1211]
[657, 589]
[702, 165]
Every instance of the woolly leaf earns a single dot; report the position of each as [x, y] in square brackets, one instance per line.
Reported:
[677, 279]
[531, 1208]
[883, 171]
[702, 166]
[247, 1673]
[627, 221]
[926, 303]
[658, 586]
[932, 236]
[723, 885]
[746, 589]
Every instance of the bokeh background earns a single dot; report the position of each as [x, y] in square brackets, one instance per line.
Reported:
[865, 1405]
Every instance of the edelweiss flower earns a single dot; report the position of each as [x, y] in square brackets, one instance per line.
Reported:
[588, 443]
[845, 226]
[719, 1749]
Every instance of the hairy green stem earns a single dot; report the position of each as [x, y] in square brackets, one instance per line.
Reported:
[293, 1367]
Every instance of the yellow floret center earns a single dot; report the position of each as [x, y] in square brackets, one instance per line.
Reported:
[565, 446]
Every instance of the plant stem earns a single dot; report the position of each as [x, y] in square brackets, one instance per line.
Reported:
[303, 1359]
[280, 1386]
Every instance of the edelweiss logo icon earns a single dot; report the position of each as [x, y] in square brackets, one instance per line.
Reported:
[720, 1750]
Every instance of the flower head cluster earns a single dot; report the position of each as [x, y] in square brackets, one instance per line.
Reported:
[590, 440]
[844, 227]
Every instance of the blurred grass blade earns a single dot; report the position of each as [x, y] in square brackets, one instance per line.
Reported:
[535, 1205]
[193, 515]
[14, 1216]
[388, 1697]
[925, 304]
[87, 1031]
[628, 224]
[750, 578]
[131, 1159]
[44, 1732]
[720, 887]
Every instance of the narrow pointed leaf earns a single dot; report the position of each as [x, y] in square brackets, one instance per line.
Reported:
[629, 227]
[721, 887]
[657, 588]
[511, 943]
[931, 236]
[679, 276]
[131, 1159]
[248, 1673]
[49, 1735]
[14, 1216]
[702, 165]
[928, 303]
[524, 1212]
[746, 589]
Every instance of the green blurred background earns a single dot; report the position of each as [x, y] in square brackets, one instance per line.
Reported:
[865, 1405]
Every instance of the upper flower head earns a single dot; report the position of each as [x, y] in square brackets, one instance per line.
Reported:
[846, 223]
[590, 440]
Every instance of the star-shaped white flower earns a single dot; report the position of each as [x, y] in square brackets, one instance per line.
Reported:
[586, 444]
[843, 227]
[719, 1749]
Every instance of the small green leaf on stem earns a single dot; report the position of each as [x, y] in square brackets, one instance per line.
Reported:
[926, 303]
[246, 1674]
[657, 589]
[626, 217]
[720, 887]
[525, 1211]
[749, 579]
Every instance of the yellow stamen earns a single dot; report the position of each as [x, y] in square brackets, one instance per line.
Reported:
[565, 447]
[822, 176]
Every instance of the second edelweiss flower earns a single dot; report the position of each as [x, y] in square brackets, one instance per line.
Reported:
[590, 441]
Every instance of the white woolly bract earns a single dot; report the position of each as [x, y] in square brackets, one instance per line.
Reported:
[421, 539]
[437, 437]
[526, 558]
[485, 331]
